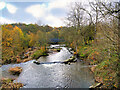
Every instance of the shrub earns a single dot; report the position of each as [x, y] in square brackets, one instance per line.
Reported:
[39, 53]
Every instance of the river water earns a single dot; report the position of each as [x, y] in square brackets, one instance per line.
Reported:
[56, 75]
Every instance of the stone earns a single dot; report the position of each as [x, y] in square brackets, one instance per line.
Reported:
[15, 70]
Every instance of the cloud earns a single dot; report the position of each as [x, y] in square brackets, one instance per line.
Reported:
[2, 5]
[9, 21]
[52, 13]
[37, 11]
[12, 9]
[54, 21]
[49, 13]
[5, 21]
[58, 4]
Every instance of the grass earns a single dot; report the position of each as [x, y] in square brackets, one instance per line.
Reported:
[39, 53]
[107, 63]
[108, 71]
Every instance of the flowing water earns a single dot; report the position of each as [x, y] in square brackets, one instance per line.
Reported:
[52, 75]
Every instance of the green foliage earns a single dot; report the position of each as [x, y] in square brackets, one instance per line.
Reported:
[96, 48]
[34, 28]
[88, 32]
[39, 53]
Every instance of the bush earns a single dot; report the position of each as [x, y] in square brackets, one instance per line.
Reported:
[39, 53]
[7, 83]
[84, 52]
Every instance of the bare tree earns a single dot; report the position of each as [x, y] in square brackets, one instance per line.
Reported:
[94, 7]
[111, 9]
[75, 15]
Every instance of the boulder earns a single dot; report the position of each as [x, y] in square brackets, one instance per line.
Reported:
[36, 62]
[15, 70]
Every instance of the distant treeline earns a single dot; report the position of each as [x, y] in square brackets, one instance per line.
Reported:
[32, 27]
[16, 38]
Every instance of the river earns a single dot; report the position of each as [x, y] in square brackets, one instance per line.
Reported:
[53, 75]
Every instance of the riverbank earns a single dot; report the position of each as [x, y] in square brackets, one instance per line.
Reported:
[54, 74]
[8, 83]
[103, 68]
[24, 56]
[89, 56]
[27, 55]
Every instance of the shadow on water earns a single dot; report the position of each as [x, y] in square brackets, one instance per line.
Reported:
[54, 75]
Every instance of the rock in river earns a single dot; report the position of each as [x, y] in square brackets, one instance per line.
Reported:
[15, 70]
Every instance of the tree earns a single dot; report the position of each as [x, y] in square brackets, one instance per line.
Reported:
[109, 29]
[32, 37]
[17, 39]
[75, 15]
[12, 38]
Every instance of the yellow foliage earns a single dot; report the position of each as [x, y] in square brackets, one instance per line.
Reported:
[19, 31]
[11, 40]
[77, 50]
[115, 85]
[71, 44]
[75, 53]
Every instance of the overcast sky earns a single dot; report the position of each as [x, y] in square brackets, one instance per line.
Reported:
[51, 12]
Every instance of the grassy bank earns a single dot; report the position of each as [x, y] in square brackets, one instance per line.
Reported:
[106, 68]
[40, 52]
